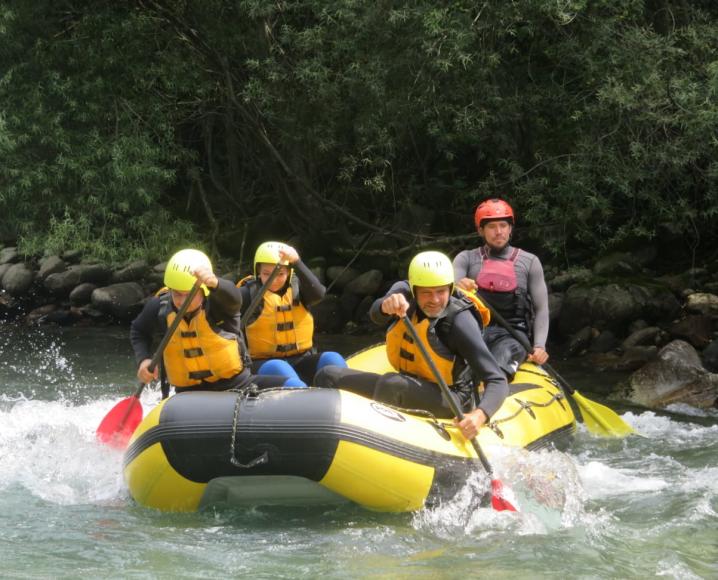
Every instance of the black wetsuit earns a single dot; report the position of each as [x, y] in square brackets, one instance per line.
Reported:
[463, 339]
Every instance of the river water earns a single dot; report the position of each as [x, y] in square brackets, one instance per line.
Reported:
[629, 508]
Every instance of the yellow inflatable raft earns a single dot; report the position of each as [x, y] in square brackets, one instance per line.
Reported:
[303, 446]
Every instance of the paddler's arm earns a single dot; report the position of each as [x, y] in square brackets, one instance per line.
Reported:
[311, 290]
[377, 314]
[539, 297]
[142, 330]
[226, 297]
[467, 342]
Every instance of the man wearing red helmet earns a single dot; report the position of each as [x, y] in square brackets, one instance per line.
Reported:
[509, 279]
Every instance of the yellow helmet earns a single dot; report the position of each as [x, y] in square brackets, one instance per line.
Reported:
[431, 269]
[268, 253]
[178, 273]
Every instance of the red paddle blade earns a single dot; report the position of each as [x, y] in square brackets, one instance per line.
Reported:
[499, 499]
[120, 423]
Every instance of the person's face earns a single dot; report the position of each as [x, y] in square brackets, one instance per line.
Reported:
[496, 233]
[178, 299]
[265, 271]
[432, 299]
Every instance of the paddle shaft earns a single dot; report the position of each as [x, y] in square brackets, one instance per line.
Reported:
[258, 298]
[446, 393]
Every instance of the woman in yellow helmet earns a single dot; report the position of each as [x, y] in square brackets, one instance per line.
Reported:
[449, 324]
[206, 352]
[280, 334]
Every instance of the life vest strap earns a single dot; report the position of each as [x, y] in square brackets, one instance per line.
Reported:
[284, 308]
[193, 352]
[199, 375]
[406, 354]
[286, 347]
[408, 338]
[188, 334]
[285, 326]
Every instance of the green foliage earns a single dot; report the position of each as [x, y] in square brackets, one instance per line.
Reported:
[120, 124]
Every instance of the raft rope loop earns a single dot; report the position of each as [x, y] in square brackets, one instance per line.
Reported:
[527, 407]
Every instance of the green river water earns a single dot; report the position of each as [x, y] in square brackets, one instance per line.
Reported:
[629, 508]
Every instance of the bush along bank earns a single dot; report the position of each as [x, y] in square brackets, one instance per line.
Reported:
[618, 315]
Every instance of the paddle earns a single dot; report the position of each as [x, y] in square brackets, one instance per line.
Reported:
[260, 294]
[498, 501]
[120, 423]
[598, 418]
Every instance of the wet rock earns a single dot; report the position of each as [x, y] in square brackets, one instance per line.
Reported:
[616, 263]
[647, 335]
[82, 294]
[37, 314]
[72, 256]
[568, 278]
[62, 283]
[581, 340]
[349, 302]
[695, 328]
[17, 279]
[605, 341]
[676, 375]
[123, 301]
[555, 300]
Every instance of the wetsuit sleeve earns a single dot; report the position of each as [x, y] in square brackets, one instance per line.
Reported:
[246, 292]
[311, 289]
[539, 296]
[226, 297]
[375, 313]
[461, 265]
[142, 330]
[466, 340]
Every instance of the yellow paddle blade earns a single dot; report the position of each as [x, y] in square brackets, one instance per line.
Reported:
[601, 420]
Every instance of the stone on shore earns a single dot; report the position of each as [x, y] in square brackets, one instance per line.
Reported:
[123, 300]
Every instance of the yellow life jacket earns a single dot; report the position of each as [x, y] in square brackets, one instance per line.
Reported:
[283, 327]
[406, 357]
[201, 352]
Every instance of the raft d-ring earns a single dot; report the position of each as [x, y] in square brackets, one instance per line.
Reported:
[495, 428]
[261, 460]
[526, 407]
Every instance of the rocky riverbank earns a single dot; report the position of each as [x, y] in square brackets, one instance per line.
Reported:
[619, 314]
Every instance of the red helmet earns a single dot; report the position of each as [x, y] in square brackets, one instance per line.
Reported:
[493, 209]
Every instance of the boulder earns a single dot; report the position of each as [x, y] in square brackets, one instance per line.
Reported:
[62, 283]
[130, 273]
[17, 279]
[709, 356]
[613, 306]
[9, 255]
[703, 303]
[123, 301]
[647, 335]
[366, 284]
[695, 328]
[339, 276]
[328, 314]
[676, 375]
[51, 265]
[555, 300]
[605, 341]
[82, 294]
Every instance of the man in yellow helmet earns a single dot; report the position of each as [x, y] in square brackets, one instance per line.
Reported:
[280, 333]
[449, 324]
[206, 352]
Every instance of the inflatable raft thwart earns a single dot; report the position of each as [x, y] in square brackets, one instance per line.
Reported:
[303, 446]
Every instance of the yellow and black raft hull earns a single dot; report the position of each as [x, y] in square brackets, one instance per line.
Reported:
[303, 446]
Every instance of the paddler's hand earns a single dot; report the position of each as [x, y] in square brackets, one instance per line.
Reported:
[395, 305]
[206, 276]
[143, 373]
[538, 356]
[288, 255]
[471, 423]
[467, 284]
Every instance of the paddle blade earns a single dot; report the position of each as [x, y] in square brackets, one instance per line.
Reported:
[500, 497]
[601, 420]
[120, 423]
